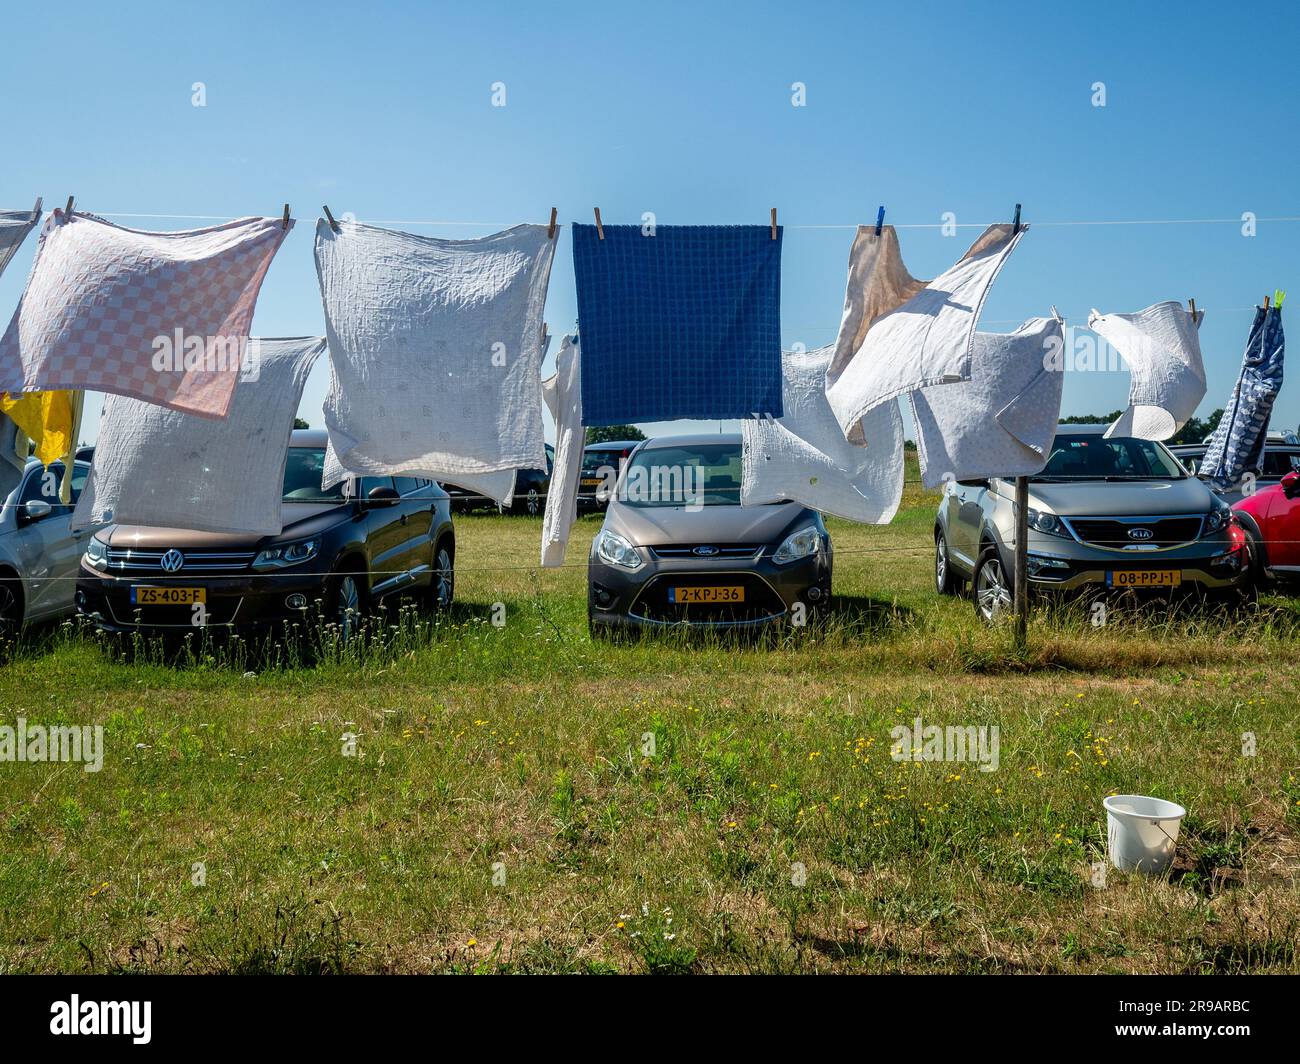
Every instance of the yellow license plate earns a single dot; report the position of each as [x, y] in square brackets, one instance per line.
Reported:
[684, 595]
[1145, 578]
[168, 596]
[591, 482]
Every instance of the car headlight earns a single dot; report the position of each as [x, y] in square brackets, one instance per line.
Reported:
[798, 545]
[1217, 517]
[1048, 524]
[97, 553]
[613, 549]
[289, 554]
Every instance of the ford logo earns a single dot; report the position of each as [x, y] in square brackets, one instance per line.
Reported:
[705, 552]
[1140, 533]
[172, 561]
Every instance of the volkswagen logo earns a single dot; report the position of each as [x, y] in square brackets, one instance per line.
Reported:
[172, 561]
[1140, 533]
[705, 552]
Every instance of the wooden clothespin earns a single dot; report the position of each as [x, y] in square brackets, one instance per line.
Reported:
[550, 229]
[67, 211]
[330, 218]
[37, 209]
[1191, 308]
[880, 220]
[1015, 225]
[773, 223]
[286, 216]
[600, 229]
[1266, 301]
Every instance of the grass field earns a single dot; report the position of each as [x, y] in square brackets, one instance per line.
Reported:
[500, 813]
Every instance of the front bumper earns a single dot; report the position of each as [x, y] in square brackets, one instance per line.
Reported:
[644, 599]
[248, 601]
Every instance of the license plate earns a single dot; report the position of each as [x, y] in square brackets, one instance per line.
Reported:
[168, 596]
[1144, 578]
[591, 482]
[684, 595]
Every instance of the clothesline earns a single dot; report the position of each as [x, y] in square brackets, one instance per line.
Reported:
[830, 227]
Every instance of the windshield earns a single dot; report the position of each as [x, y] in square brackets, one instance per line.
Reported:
[697, 475]
[1094, 457]
[302, 475]
[594, 459]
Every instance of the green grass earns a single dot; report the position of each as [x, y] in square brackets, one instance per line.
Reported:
[501, 813]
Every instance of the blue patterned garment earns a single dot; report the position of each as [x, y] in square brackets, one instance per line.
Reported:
[1237, 445]
[682, 324]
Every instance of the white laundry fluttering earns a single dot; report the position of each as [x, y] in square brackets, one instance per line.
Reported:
[804, 457]
[167, 469]
[898, 333]
[435, 348]
[1002, 421]
[563, 395]
[1162, 347]
[14, 227]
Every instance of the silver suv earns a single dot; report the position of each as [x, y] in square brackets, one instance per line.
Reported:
[39, 554]
[1107, 513]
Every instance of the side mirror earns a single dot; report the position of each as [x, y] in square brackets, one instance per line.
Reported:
[37, 510]
[380, 497]
[1290, 485]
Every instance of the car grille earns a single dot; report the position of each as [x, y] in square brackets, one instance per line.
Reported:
[129, 560]
[687, 552]
[1113, 532]
[761, 601]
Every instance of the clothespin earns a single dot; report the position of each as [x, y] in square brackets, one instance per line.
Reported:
[600, 229]
[1015, 225]
[286, 216]
[1266, 299]
[67, 211]
[1191, 308]
[330, 218]
[37, 209]
[880, 220]
[1056, 314]
[773, 223]
[1278, 296]
[550, 229]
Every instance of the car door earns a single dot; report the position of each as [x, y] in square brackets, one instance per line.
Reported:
[45, 547]
[964, 519]
[1282, 530]
[385, 536]
[415, 521]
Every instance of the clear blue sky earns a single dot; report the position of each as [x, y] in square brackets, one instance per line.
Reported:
[384, 109]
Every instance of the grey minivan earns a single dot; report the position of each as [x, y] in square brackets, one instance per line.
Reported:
[1116, 513]
[39, 554]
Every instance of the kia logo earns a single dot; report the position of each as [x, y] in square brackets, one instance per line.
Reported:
[705, 552]
[1140, 533]
[172, 561]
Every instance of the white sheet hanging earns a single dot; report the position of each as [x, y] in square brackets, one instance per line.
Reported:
[167, 469]
[1002, 421]
[563, 395]
[1162, 346]
[928, 339]
[14, 227]
[435, 347]
[803, 456]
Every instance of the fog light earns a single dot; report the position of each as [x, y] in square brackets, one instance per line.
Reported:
[602, 594]
[296, 601]
[814, 593]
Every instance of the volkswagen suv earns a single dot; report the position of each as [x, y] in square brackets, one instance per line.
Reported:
[347, 549]
[1104, 513]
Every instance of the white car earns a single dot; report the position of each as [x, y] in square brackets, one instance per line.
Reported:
[39, 554]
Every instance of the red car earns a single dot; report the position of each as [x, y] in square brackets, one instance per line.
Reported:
[1271, 521]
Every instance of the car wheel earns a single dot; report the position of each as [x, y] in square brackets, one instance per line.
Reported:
[992, 587]
[533, 502]
[442, 584]
[345, 605]
[11, 606]
[945, 581]
[1254, 560]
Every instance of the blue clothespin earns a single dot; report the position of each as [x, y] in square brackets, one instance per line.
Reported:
[880, 220]
[1015, 226]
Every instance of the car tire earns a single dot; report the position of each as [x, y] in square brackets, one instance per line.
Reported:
[945, 580]
[442, 579]
[529, 503]
[345, 604]
[991, 587]
[1258, 577]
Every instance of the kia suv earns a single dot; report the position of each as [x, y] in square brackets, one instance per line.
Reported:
[677, 548]
[1116, 513]
[347, 549]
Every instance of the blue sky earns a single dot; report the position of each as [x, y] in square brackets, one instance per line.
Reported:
[385, 110]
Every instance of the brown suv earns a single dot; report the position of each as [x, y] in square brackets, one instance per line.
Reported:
[339, 551]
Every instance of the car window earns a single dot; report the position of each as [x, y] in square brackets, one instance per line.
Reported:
[44, 483]
[593, 459]
[1280, 463]
[302, 476]
[406, 485]
[1122, 457]
[707, 474]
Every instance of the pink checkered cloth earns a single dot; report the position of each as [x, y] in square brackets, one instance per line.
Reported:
[108, 309]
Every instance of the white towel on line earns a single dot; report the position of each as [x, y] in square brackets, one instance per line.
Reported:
[563, 395]
[435, 347]
[803, 456]
[167, 469]
[883, 351]
[1002, 421]
[1162, 346]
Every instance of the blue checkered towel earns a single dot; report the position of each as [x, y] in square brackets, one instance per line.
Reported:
[682, 324]
[1237, 444]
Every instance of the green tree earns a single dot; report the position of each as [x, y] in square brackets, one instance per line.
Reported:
[1194, 431]
[298, 423]
[603, 433]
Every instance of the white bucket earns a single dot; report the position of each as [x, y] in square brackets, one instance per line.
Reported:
[1142, 832]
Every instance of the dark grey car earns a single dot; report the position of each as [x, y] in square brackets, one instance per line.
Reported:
[677, 548]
